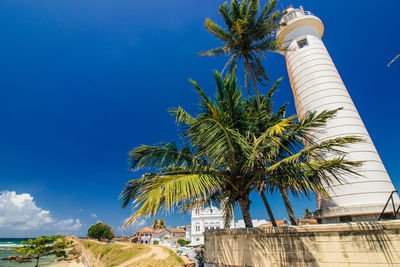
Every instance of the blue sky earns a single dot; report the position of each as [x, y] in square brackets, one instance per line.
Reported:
[83, 82]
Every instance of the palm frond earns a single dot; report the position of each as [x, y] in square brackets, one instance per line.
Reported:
[217, 30]
[166, 192]
[163, 156]
[213, 52]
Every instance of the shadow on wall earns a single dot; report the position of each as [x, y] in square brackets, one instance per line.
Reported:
[363, 243]
[260, 247]
[376, 238]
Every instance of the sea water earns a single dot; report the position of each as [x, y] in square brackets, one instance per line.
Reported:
[6, 245]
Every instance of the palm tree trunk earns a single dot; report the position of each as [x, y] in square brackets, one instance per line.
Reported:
[268, 207]
[288, 206]
[37, 262]
[244, 204]
[254, 82]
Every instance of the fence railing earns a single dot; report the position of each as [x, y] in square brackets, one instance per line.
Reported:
[296, 14]
[395, 211]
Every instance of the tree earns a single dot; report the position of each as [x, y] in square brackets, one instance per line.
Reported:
[44, 246]
[248, 34]
[100, 231]
[158, 224]
[303, 169]
[161, 223]
[308, 214]
[298, 175]
[155, 224]
[232, 148]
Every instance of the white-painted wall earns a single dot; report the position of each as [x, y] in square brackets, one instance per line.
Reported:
[317, 86]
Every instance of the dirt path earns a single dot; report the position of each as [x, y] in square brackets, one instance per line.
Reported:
[157, 253]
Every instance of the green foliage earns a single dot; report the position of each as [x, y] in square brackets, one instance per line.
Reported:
[308, 214]
[44, 246]
[158, 224]
[249, 32]
[156, 242]
[233, 147]
[100, 231]
[161, 224]
[200, 256]
[183, 242]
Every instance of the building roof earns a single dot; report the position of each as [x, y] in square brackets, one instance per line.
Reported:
[145, 230]
[176, 230]
[157, 231]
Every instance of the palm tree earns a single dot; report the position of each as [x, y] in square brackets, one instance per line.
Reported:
[230, 152]
[155, 224]
[248, 34]
[161, 223]
[303, 169]
[207, 169]
[308, 214]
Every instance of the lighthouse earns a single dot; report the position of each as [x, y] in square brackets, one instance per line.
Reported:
[317, 86]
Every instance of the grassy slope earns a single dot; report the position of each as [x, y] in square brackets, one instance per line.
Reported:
[112, 254]
[172, 261]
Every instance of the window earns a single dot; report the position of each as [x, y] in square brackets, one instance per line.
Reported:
[197, 228]
[197, 212]
[302, 43]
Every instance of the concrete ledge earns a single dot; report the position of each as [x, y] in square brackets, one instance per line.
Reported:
[349, 244]
[368, 212]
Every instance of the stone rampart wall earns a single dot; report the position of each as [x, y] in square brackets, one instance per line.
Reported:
[345, 244]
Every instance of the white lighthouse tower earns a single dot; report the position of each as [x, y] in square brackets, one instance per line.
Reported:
[317, 86]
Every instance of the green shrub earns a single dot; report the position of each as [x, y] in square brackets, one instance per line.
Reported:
[183, 242]
[101, 230]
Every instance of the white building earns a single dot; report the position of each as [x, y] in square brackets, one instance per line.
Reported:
[167, 236]
[204, 219]
[317, 86]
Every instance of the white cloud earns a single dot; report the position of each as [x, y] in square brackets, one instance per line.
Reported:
[19, 215]
[68, 225]
[93, 215]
